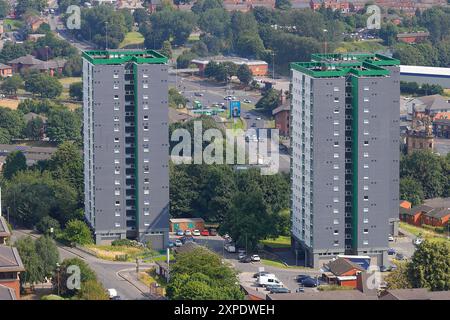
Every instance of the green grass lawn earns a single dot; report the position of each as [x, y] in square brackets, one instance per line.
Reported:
[237, 124]
[279, 264]
[247, 106]
[425, 233]
[67, 81]
[194, 37]
[11, 25]
[132, 38]
[280, 242]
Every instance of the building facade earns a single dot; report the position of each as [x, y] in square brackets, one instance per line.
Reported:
[126, 145]
[345, 155]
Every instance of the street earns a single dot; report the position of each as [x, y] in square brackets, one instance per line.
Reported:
[106, 271]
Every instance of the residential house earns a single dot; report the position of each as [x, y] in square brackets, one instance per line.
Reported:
[414, 216]
[35, 36]
[24, 63]
[281, 115]
[10, 267]
[414, 294]
[32, 154]
[5, 71]
[34, 22]
[6, 293]
[413, 37]
[322, 295]
[342, 272]
[53, 67]
[341, 5]
[429, 105]
[438, 217]
[5, 233]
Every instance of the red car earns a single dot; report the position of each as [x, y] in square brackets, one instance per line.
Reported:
[205, 233]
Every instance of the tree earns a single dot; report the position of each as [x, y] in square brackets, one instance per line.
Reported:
[398, 278]
[27, 5]
[12, 121]
[73, 66]
[201, 274]
[430, 265]
[411, 190]
[31, 261]
[176, 99]
[4, 8]
[63, 125]
[44, 85]
[249, 220]
[76, 90]
[182, 193]
[15, 162]
[283, 4]
[11, 84]
[166, 49]
[92, 290]
[46, 224]
[78, 232]
[184, 59]
[269, 101]
[34, 128]
[48, 253]
[244, 74]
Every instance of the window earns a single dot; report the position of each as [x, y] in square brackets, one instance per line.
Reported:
[145, 117]
[116, 171]
[116, 129]
[366, 154]
[336, 178]
[145, 85]
[366, 178]
[146, 224]
[366, 210]
[116, 108]
[365, 242]
[146, 150]
[336, 133]
[366, 99]
[146, 191]
[115, 86]
[116, 97]
[144, 75]
[116, 161]
[145, 97]
[336, 89]
[117, 213]
[336, 200]
[336, 221]
[366, 110]
[116, 151]
[116, 118]
[366, 89]
[146, 160]
[366, 121]
[366, 198]
[336, 99]
[366, 133]
[117, 192]
[336, 111]
[366, 143]
[116, 76]
[117, 225]
[335, 210]
[117, 182]
[336, 122]
[146, 212]
[366, 188]
[116, 139]
[336, 243]
[336, 144]
[336, 232]
[366, 220]
[146, 139]
[366, 231]
[117, 203]
[145, 128]
[146, 180]
[146, 203]
[335, 188]
[336, 155]
[366, 166]
[335, 166]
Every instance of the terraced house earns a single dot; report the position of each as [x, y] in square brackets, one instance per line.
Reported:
[126, 147]
[345, 155]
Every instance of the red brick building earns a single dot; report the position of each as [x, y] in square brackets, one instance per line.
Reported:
[342, 272]
[10, 267]
[343, 6]
[413, 37]
[186, 224]
[281, 115]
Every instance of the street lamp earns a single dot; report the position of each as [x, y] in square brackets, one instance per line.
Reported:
[58, 269]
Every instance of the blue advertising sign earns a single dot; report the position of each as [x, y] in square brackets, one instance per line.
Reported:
[235, 109]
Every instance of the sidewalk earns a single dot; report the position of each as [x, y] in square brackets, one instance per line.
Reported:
[130, 276]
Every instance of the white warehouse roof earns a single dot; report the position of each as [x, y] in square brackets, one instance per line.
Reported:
[430, 71]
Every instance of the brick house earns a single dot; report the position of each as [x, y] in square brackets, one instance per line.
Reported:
[414, 216]
[413, 37]
[10, 267]
[24, 63]
[437, 217]
[342, 272]
[5, 71]
[281, 115]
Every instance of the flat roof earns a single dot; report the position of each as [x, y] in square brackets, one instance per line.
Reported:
[426, 71]
[340, 65]
[123, 56]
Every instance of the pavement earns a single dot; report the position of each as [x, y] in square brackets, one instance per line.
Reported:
[111, 274]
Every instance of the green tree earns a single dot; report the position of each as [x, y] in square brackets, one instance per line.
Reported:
[15, 162]
[4, 8]
[184, 59]
[63, 125]
[26, 5]
[73, 66]
[398, 278]
[12, 121]
[176, 99]
[430, 266]
[181, 192]
[46, 224]
[48, 254]
[283, 4]
[166, 49]
[31, 261]
[76, 90]
[60, 277]
[244, 74]
[411, 190]
[92, 290]
[78, 232]
[11, 84]
[269, 101]
[34, 128]
[44, 85]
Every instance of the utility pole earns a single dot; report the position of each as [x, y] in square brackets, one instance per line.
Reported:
[273, 64]
[106, 35]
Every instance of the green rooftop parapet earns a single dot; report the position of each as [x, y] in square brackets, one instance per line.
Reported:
[124, 56]
[341, 64]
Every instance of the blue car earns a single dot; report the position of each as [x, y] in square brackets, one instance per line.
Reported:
[180, 232]
[171, 244]
[391, 251]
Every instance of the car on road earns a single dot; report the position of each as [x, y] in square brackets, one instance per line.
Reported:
[391, 251]
[255, 258]
[247, 116]
[301, 277]
[309, 282]
[112, 293]
[187, 239]
[391, 238]
[227, 98]
[385, 268]
[241, 250]
[171, 244]
[213, 232]
[180, 232]
[205, 233]
[188, 233]
[269, 280]
[198, 94]
[258, 118]
[279, 290]
[247, 101]
[178, 243]
[245, 259]
[196, 232]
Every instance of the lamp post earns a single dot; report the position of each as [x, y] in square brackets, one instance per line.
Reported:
[273, 64]
[58, 269]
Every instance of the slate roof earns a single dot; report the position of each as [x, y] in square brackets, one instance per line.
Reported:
[341, 266]
[10, 260]
[4, 229]
[7, 293]
[415, 294]
[26, 60]
[323, 295]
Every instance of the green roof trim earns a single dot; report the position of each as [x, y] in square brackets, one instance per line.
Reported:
[124, 56]
[341, 65]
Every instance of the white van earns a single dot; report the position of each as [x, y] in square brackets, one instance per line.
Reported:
[269, 279]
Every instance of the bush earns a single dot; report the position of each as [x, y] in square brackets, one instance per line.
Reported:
[77, 232]
[435, 229]
[124, 242]
[46, 223]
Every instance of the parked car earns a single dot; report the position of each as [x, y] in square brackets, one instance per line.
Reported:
[399, 256]
[246, 259]
[255, 258]
[212, 232]
[241, 255]
[301, 277]
[198, 94]
[247, 101]
[187, 239]
[391, 238]
[229, 247]
[171, 244]
[112, 293]
[180, 232]
[205, 232]
[269, 280]
[309, 282]
[391, 251]
[178, 243]
[196, 232]
[247, 116]
[385, 268]
[188, 233]
[280, 290]
[258, 118]
[253, 124]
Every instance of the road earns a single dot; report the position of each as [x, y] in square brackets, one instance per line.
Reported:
[106, 271]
